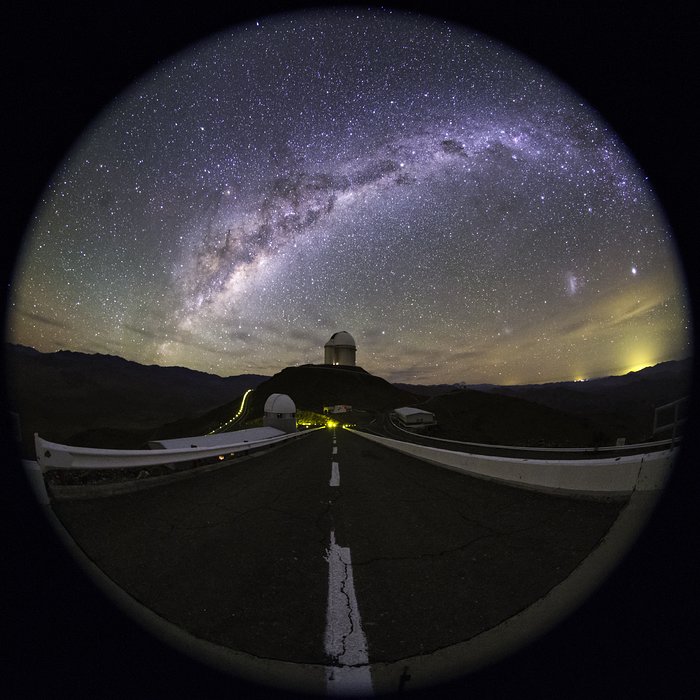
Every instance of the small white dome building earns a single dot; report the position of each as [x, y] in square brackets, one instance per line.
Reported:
[280, 412]
[340, 350]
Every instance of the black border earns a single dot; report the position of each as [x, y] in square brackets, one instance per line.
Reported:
[636, 637]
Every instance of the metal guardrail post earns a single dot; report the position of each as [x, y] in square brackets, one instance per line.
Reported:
[677, 420]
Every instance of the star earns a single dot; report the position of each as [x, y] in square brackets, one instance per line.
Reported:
[333, 169]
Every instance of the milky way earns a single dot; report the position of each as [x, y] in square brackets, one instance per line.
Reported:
[464, 215]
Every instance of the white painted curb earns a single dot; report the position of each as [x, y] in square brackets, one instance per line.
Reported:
[51, 455]
[607, 476]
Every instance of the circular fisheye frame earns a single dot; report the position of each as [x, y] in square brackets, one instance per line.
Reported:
[349, 351]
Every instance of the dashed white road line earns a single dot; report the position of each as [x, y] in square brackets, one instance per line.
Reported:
[335, 450]
[345, 641]
[335, 474]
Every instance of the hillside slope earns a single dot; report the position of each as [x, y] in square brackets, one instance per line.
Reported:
[597, 411]
[64, 393]
[623, 405]
[106, 401]
[476, 416]
[311, 387]
[314, 386]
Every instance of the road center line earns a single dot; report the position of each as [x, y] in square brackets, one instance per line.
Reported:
[345, 641]
[335, 450]
[335, 474]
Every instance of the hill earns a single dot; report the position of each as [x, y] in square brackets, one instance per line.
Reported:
[593, 412]
[63, 394]
[314, 386]
[623, 405]
[106, 401]
[311, 387]
[427, 389]
[476, 416]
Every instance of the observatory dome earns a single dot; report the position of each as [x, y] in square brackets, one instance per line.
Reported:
[341, 338]
[340, 350]
[279, 403]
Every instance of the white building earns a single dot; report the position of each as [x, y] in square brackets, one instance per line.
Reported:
[414, 417]
[340, 350]
[280, 412]
[236, 437]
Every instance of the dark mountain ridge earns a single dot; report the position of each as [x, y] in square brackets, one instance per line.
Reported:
[625, 404]
[107, 401]
[602, 409]
[63, 393]
[477, 416]
[314, 386]
[681, 369]
[311, 387]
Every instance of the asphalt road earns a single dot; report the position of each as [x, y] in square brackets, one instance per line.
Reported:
[240, 556]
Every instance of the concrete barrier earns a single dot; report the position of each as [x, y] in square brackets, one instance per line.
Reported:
[603, 448]
[606, 476]
[52, 455]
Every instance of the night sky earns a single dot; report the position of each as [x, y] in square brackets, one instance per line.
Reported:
[461, 213]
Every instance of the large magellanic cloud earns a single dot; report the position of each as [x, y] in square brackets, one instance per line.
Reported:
[453, 206]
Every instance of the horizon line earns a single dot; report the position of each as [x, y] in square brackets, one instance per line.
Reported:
[435, 383]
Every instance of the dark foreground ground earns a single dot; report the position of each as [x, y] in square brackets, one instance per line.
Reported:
[237, 556]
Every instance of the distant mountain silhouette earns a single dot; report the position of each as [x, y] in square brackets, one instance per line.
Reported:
[570, 414]
[62, 394]
[623, 404]
[311, 387]
[106, 401]
[428, 389]
[602, 409]
[477, 416]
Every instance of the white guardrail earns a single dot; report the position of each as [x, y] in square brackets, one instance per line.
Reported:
[52, 455]
[612, 475]
[671, 442]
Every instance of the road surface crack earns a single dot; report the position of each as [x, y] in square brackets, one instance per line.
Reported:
[348, 609]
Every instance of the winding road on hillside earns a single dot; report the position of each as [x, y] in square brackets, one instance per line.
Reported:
[337, 553]
[387, 426]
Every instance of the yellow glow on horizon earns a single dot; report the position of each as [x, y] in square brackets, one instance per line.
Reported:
[638, 358]
[638, 366]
